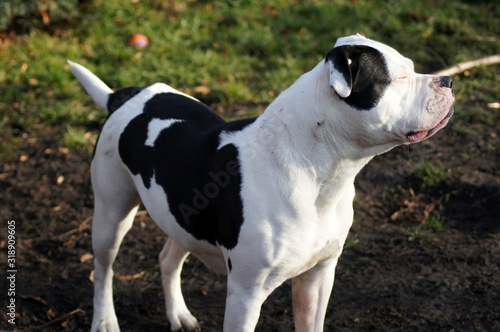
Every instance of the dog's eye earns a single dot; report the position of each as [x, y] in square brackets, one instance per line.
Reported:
[403, 79]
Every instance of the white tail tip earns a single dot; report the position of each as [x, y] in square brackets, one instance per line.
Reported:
[96, 88]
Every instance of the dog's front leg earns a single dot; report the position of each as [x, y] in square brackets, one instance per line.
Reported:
[243, 303]
[310, 294]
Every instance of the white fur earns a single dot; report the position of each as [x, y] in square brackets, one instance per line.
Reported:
[155, 127]
[338, 81]
[92, 84]
[298, 162]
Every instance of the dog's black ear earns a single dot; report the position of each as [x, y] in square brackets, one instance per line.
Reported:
[358, 74]
[343, 63]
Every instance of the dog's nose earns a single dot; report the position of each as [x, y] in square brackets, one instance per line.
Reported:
[446, 82]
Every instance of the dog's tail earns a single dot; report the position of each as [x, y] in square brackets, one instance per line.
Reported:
[96, 88]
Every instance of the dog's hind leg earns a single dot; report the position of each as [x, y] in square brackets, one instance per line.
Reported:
[171, 260]
[116, 203]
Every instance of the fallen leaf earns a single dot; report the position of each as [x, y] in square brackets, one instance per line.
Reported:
[204, 90]
[86, 257]
[395, 215]
[128, 277]
[125, 277]
[71, 241]
[137, 56]
[4, 175]
[52, 312]
[87, 135]
[45, 16]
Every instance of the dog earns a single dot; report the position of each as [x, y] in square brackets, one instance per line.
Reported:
[262, 200]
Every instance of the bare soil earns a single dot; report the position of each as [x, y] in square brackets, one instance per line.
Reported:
[400, 271]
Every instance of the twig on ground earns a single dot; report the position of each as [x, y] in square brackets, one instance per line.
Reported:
[57, 319]
[463, 66]
[484, 38]
[85, 225]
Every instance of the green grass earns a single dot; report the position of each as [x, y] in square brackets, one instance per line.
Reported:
[78, 137]
[243, 52]
[428, 229]
[427, 175]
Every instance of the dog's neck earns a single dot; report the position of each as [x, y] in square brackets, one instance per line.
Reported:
[311, 147]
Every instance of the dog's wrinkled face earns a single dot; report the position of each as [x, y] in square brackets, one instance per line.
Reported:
[394, 105]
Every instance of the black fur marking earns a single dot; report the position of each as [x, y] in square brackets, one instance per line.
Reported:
[202, 183]
[120, 97]
[368, 73]
[229, 264]
[115, 101]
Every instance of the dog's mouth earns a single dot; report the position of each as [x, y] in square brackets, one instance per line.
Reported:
[415, 136]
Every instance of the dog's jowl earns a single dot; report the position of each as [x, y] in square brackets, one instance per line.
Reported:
[262, 200]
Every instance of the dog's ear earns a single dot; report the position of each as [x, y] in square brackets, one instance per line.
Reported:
[343, 62]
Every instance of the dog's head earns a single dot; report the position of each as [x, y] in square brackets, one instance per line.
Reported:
[391, 103]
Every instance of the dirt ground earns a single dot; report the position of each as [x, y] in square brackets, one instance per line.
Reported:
[397, 273]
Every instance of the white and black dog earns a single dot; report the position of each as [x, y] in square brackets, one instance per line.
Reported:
[262, 200]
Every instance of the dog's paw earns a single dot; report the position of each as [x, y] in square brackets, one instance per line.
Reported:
[184, 322]
[106, 324]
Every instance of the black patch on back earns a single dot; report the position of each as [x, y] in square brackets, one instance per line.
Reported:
[120, 97]
[115, 101]
[368, 73]
[202, 183]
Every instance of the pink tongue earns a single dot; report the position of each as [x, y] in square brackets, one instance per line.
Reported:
[418, 136]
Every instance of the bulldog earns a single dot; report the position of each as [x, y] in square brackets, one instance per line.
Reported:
[261, 200]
